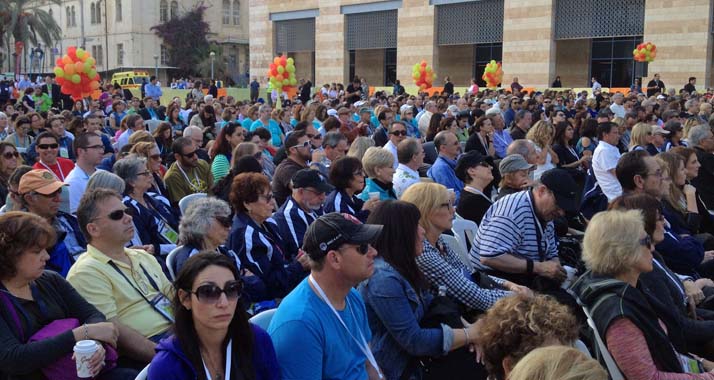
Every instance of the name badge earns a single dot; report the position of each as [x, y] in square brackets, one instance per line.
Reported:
[162, 305]
[64, 153]
[168, 233]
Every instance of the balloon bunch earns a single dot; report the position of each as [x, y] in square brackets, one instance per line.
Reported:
[76, 73]
[645, 52]
[282, 73]
[423, 75]
[493, 74]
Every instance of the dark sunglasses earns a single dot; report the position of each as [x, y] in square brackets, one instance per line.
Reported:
[210, 293]
[116, 214]
[9, 155]
[362, 249]
[225, 221]
[306, 144]
[189, 155]
[155, 157]
[52, 195]
[398, 133]
[646, 241]
[47, 146]
[268, 197]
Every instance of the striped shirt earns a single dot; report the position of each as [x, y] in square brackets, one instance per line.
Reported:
[509, 227]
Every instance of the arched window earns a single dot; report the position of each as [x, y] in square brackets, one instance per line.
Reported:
[226, 12]
[174, 9]
[74, 17]
[236, 12]
[163, 11]
[69, 17]
[92, 15]
[118, 9]
[98, 9]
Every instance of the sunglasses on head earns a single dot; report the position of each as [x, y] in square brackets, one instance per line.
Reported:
[47, 146]
[9, 155]
[211, 293]
[399, 133]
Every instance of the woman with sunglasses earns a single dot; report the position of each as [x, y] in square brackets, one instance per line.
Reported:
[9, 161]
[20, 138]
[228, 138]
[257, 240]
[347, 176]
[154, 162]
[212, 339]
[617, 252]
[477, 174]
[154, 219]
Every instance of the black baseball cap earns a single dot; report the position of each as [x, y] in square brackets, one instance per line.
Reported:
[561, 183]
[311, 178]
[467, 161]
[331, 230]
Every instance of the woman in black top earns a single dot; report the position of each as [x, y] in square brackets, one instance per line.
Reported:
[567, 155]
[474, 170]
[481, 137]
[31, 298]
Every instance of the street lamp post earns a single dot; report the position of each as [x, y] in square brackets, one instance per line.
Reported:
[213, 58]
[156, 66]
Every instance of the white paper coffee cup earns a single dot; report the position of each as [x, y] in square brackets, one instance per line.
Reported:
[83, 350]
[374, 195]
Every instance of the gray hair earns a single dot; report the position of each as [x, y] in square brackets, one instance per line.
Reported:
[106, 180]
[128, 169]
[332, 139]
[191, 130]
[697, 134]
[521, 146]
[689, 103]
[407, 149]
[198, 219]
[264, 107]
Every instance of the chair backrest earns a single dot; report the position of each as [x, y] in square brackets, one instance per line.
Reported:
[170, 262]
[458, 247]
[465, 230]
[152, 125]
[185, 201]
[263, 318]
[143, 374]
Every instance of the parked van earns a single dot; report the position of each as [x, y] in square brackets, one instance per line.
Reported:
[130, 79]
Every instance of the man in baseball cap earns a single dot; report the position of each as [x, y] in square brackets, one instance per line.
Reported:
[515, 172]
[324, 315]
[40, 192]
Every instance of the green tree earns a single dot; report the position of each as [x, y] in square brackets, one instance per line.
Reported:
[23, 22]
[186, 40]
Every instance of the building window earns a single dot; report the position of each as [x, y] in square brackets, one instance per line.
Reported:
[74, 17]
[98, 54]
[226, 12]
[174, 10]
[163, 11]
[120, 54]
[390, 66]
[93, 17]
[612, 63]
[118, 9]
[236, 12]
[98, 9]
[69, 17]
[352, 66]
[164, 55]
[484, 53]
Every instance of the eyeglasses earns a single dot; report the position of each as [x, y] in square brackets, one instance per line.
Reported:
[398, 133]
[268, 197]
[146, 173]
[362, 249]
[359, 174]
[210, 293]
[448, 205]
[93, 147]
[657, 173]
[115, 215]
[155, 157]
[189, 155]
[47, 146]
[485, 165]
[10, 155]
[54, 194]
[306, 144]
[225, 221]
[646, 241]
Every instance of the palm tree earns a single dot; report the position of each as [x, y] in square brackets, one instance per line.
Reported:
[27, 23]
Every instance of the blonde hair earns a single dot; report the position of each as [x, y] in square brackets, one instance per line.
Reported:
[427, 197]
[669, 163]
[557, 363]
[689, 124]
[611, 244]
[243, 149]
[619, 121]
[375, 158]
[639, 134]
[141, 136]
[359, 147]
[142, 149]
[541, 133]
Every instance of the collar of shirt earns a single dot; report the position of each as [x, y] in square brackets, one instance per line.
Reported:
[407, 170]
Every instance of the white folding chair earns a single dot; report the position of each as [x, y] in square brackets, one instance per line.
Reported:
[465, 230]
[459, 248]
[263, 318]
[170, 261]
[152, 125]
[143, 374]
[185, 201]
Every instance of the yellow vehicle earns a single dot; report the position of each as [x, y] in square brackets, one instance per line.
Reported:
[130, 79]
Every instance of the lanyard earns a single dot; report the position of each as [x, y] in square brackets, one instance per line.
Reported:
[363, 346]
[539, 230]
[151, 280]
[59, 167]
[229, 353]
[478, 192]
[572, 151]
[195, 175]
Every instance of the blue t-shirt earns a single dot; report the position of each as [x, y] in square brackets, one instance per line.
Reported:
[274, 129]
[311, 343]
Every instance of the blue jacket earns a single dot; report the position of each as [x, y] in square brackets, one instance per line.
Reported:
[339, 201]
[443, 172]
[681, 254]
[147, 223]
[292, 222]
[170, 362]
[370, 186]
[394, 310]
[261, 250]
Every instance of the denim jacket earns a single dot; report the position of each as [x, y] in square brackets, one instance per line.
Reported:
[394, 310]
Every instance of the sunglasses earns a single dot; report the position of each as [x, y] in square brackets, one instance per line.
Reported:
[306, 144]
[646, 241]
[189, 155]
[155, 157]
[116, 214]
[47, 146]
[210, 293]
[268, 197]
[9, 155]
[398, 133]
[362, 249]
[52, 195]
[225, 221]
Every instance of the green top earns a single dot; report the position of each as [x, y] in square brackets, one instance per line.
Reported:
[220, 167]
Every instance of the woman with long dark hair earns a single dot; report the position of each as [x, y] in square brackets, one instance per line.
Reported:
[228, 138]
[212, 339]
[164, 138]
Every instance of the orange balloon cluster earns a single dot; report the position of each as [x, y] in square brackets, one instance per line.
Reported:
[645, 52]
[423, 75]
[282, 73]
[492, 74]
[76, 73]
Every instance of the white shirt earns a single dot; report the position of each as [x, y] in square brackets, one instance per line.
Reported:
[392, 149]
[605, 159]
[540, 169]
[123, 139]
[403, 178]
[77, 180]
[618, 110]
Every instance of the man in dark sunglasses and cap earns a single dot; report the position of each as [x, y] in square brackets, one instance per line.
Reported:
[320, 330]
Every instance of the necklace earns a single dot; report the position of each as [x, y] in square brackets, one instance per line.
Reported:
[217, 375]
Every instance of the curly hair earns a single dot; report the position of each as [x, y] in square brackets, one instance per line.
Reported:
[541, 133]
[516, 325]
[21, 231]
[246, 188]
